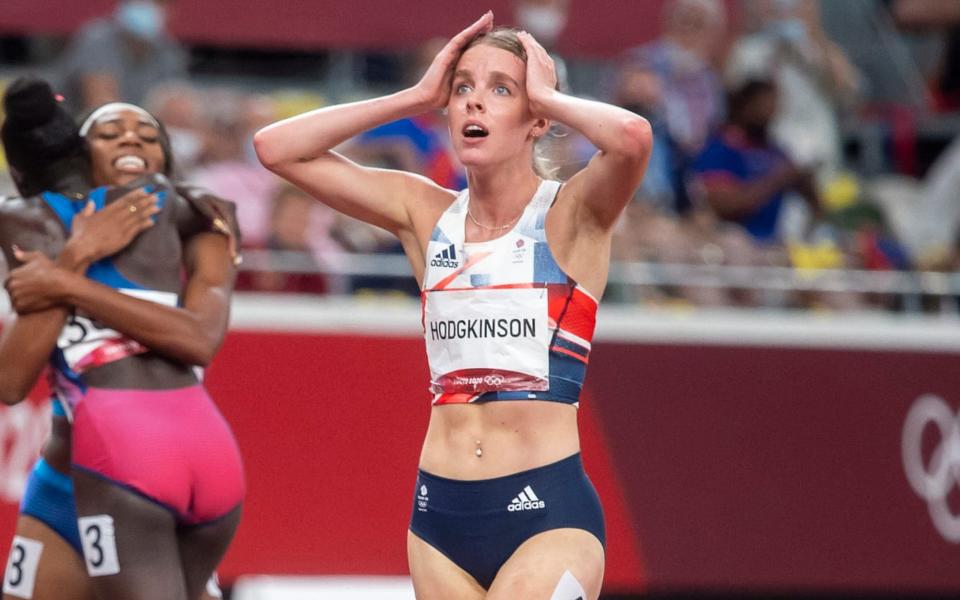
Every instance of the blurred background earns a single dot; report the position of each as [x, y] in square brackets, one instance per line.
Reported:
[773, 405]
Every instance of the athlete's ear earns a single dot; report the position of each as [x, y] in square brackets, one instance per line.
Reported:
[540, 128]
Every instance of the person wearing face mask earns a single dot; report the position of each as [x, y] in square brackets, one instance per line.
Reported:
[787, 43]
[683, 58]
[120, 57]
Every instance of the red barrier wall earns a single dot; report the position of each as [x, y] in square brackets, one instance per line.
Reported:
[742, 467]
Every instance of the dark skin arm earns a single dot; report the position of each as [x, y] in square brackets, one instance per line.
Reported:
[191, 334]
[733, 200]
[27, 340]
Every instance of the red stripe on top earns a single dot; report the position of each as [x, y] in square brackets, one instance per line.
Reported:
[568, 352]
[466, 265]
[502, 286]
[579, 316]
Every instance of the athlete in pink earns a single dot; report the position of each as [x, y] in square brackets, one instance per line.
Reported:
[157, 473]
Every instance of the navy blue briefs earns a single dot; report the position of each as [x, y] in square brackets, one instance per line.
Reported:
[480, 524]
[49, 499]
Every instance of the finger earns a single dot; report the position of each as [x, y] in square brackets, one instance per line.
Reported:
[26, 256]
[532, 46]
[124, 202]
[88, 208]
[484, 23]
[147, 202]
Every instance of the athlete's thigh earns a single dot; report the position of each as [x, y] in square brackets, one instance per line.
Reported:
[436, 577]
[130, 542]
[43, 566]
[536, 568]
[202, 548]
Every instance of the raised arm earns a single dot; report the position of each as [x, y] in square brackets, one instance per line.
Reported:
[300, 149]
[624, 140]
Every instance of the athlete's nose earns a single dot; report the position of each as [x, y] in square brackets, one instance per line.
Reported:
[130, 137]
[474, 103]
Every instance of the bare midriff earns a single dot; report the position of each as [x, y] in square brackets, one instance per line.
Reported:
[492, 439]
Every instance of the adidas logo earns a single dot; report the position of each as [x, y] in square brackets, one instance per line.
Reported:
[446, 258]
[526, 500]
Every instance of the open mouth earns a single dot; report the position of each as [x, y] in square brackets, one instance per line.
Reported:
[130, 163]
[473, 130]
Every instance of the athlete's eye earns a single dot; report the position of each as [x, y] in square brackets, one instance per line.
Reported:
[148, 134]
[501, 90]
[462, 88]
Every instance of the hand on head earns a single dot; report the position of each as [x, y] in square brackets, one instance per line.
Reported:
[541, 71]
[434, 86]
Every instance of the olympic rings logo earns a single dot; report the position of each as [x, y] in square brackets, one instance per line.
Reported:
[934, 482]
[494, 380]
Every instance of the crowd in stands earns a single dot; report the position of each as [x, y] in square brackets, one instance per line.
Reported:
[755, 107]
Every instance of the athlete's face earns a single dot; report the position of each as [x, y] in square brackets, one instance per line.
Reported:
[489, 114]
[123, 146]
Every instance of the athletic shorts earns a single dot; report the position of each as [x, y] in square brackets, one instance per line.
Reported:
[172, 447]
[49, 499]
[479, 524]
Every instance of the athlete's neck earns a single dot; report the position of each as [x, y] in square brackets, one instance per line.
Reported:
[68, 176]
[498, 196]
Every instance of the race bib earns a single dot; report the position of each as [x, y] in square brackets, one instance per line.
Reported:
[86, 344]
[485, 340]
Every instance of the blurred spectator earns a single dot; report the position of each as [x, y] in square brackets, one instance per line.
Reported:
[944, 17]
[640, 90]
[787, 44]
[925, 214]
[227, 168]
[297, 226]
[418, 144]
[180, 108]
[545, 20]
[743, 173]
[121, 57]
[683, 58]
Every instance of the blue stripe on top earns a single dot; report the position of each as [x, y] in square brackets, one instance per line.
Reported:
[102, 271]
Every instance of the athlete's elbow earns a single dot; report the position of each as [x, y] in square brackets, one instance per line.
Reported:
[10, 391]
[636, 138]
[267, 149]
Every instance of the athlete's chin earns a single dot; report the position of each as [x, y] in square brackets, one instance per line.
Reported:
[474, 157]
[122, 178]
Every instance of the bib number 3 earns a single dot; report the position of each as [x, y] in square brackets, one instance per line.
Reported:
[99, 545]
[21, 573]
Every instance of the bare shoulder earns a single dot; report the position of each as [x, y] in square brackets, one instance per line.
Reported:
[430, 201]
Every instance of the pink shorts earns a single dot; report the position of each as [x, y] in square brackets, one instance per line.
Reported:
[172, 446]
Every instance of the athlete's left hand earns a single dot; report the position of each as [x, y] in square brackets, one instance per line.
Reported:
[541, 74]
[35, 285]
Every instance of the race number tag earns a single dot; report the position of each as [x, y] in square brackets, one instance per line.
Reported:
[99, 545]
[86, 343]
[21, 573]
[487, 340]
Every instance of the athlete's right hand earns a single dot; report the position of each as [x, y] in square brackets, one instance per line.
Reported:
[98, 234]
[434, 87]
